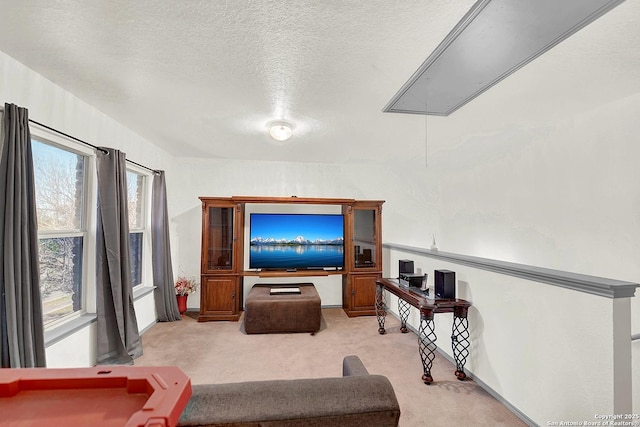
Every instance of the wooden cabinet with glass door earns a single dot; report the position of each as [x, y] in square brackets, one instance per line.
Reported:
[222, 258]
[363, 252]
[220, 293]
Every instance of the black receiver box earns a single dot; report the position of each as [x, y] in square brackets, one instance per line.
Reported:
[410, 279]
[445, 284]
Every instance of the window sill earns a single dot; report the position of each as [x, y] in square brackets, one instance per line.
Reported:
[142, 290]
[68, 328]
[72, 326]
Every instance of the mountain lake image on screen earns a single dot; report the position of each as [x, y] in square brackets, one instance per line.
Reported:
[296, 241]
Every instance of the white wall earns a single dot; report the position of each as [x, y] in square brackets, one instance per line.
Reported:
[537, 346]
[563, 193]
[53, 106]
[540, 170]
[224, 178]
[145, 308]
[76, 351]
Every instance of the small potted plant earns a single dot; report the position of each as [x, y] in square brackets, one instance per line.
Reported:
[184, 286]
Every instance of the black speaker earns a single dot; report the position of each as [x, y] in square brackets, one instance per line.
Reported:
[445, 284]
[405, 266]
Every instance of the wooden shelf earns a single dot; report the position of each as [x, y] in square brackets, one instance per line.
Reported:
[292, 199]
[298, 273]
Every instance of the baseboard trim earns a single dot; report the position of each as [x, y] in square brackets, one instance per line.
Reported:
[518, 413]
[148, 327]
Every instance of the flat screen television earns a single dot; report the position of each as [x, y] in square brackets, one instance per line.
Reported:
[296, 241]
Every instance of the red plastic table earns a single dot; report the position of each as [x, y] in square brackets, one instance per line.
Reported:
[99, 396]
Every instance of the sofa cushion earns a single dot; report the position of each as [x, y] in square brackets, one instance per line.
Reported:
[360, 400]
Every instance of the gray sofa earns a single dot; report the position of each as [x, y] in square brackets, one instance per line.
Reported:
[355, 399]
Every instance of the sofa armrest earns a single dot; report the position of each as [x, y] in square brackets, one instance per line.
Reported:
[360, 400]
[352, 365]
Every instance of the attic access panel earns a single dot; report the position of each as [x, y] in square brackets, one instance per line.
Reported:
[493, 40]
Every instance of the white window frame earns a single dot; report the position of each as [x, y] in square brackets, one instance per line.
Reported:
[89, 219]
[89, 224]
[147, 268]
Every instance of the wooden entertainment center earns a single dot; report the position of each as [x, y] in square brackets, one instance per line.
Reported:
[223, 265]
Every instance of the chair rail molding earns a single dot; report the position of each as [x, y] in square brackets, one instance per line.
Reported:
[601, 286]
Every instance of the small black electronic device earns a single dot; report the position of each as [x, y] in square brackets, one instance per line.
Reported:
[445, 284]
[411, 279]
[405, 266]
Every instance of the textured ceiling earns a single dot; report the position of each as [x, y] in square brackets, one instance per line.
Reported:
[201, 78]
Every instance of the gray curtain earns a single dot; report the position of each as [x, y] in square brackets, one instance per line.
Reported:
[164, 294]
[21, 330]
[117, 328]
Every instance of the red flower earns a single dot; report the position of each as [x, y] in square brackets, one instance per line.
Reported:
[185, 286]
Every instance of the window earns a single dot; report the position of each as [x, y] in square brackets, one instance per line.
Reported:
[136, 197]
[60, 185]
[66, 203]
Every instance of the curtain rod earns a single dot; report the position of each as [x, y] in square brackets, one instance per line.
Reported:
[90, 145]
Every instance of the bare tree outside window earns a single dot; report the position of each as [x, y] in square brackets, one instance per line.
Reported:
[60, 189]
[60, 184]
[135, 196]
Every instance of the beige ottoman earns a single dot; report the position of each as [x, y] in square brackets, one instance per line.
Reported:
[266, 313]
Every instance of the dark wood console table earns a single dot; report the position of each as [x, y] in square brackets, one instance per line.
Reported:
[426, 334]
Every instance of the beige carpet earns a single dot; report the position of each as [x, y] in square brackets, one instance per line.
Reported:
[220, 352]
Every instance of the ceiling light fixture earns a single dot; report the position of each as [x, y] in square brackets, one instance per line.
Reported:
[280, 130]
